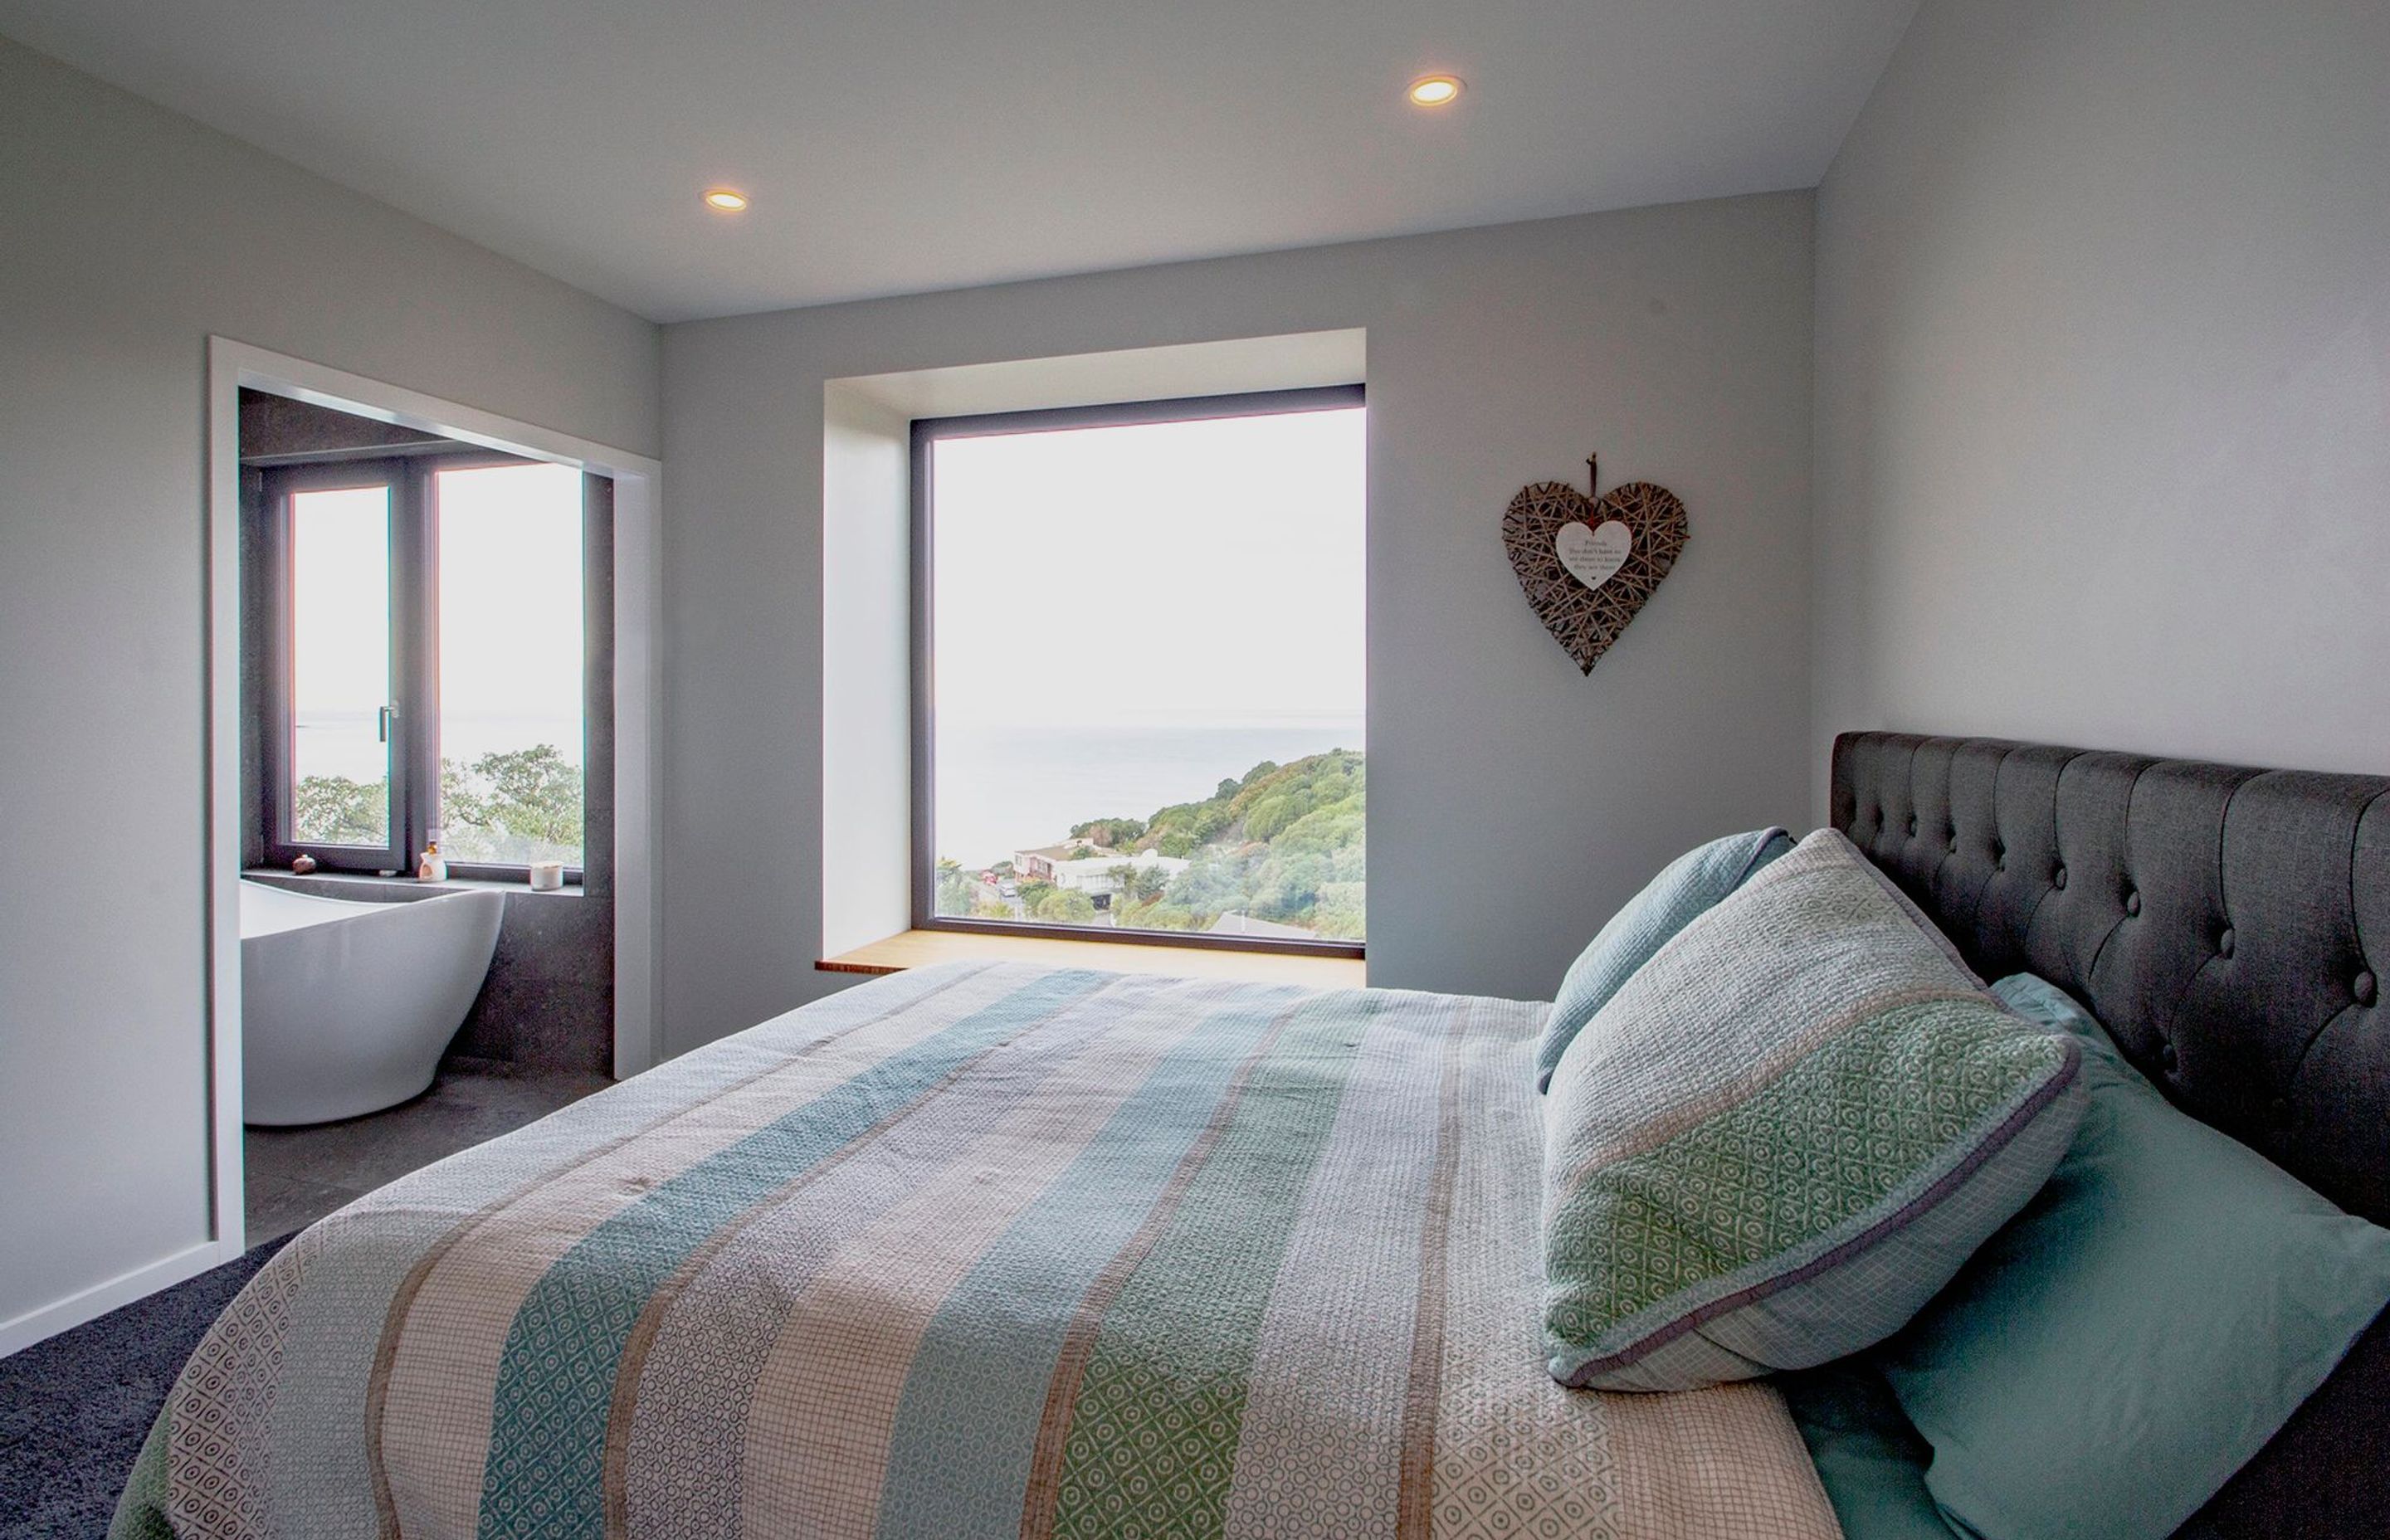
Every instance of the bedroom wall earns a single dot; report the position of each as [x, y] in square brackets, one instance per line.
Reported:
[1514, 803]
[130, 235]
[2103, 382]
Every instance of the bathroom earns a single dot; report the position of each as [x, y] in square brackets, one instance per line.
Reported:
[427, 903]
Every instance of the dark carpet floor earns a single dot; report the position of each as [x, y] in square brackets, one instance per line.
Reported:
[73, 1410]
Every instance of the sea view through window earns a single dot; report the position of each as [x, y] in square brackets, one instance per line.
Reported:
[1145, 672]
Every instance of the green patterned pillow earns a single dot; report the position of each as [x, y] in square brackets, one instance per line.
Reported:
[1784, 1135]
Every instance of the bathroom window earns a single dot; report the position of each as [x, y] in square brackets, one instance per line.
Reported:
[340, 677]
[509, 543]
[425, 673]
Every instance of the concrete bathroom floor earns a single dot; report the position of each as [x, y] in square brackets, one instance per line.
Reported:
[297, 1175]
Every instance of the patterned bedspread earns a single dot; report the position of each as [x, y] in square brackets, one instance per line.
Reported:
[970, 1252]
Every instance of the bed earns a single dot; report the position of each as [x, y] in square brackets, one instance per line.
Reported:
[971, 1251]
[987, 1249]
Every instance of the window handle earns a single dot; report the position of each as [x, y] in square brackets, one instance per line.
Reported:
[383, 718]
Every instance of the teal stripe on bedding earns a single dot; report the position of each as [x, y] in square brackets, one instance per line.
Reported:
[556, 1376]
[1151, 1447]
[967, 1422]
[323, 1482]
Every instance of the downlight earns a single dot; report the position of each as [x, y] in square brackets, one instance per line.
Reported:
[1434, 91]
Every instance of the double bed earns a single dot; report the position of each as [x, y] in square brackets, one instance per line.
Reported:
[985, 1249]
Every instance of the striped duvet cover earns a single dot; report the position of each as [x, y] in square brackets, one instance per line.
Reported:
[970, 1252]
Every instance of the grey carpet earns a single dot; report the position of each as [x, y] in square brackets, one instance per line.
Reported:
[74, 1410]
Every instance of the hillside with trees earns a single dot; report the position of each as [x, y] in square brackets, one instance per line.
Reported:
[506, 808]
[1285, 843]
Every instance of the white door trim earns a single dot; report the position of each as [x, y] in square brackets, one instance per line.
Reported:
[638, 485]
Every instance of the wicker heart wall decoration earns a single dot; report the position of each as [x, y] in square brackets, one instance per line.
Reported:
[1588, 567]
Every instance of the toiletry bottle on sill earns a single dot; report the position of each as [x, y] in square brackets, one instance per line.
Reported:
[431, 867]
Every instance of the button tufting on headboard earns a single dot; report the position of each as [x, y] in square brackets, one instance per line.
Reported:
[2237, 963]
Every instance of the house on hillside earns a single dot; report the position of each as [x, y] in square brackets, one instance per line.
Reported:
[1040, 865]
[1084, 866]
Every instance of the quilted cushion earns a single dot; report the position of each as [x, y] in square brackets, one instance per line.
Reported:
[1686, 887]
[1784, 1134]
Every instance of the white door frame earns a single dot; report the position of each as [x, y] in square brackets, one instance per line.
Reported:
[638, 486]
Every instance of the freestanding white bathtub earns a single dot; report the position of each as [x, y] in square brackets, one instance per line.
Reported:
[346, 1007]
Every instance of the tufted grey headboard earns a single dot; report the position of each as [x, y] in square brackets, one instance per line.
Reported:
[2232, 928]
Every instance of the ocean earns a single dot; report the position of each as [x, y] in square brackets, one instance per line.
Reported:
[999, 790]
[343, 743]
[1015, 787]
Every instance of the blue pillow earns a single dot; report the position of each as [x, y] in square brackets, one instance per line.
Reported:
[2108, 1358]
[1685, 889]
[1870, 1459]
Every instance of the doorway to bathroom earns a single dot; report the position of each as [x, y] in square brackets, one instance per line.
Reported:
[429, 882]
[426, 899]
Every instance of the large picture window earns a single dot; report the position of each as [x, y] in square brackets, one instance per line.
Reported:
[425, 678]
[1139, 670]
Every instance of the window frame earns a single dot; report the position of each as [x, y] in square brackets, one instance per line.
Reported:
[926, 434]
[414, 653]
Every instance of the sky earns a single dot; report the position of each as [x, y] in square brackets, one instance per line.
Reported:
[1185, 573]
[510, 597]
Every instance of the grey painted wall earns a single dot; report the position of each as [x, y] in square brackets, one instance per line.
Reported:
[130, 235]
[1514, 803]
[2103, 382]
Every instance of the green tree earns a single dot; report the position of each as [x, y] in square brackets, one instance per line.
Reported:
[1065, 906]
[1266, 817]
[334, 810]
[1158, 917]
[1111, 833]
[1139, 884]
[957, 890]
[1339, 914]
[514, 805]
[1214, 883]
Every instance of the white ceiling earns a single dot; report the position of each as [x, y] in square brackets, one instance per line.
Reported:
[896, 146]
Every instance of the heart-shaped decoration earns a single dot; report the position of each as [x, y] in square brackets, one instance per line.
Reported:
[1585, 582]
[1593, 556]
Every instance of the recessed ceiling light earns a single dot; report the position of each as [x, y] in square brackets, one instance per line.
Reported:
[1434, 91]
[728, 200]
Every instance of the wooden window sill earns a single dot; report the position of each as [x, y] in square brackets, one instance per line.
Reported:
[921, 948]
